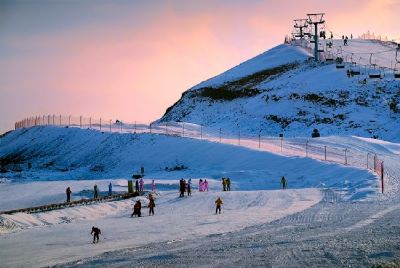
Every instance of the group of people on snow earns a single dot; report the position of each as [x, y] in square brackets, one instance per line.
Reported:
[226, 184]
[203, 185]
[96, 192]
[139, 185]
[137, 207]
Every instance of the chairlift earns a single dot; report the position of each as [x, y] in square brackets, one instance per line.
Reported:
[329, 56]
[339, 59]
[374, 72]
[320, 48]
[354, 69]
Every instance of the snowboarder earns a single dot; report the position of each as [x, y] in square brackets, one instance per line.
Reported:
[224, 184]
[152, 204]
[68, 192]
[205, 185]
[95, 232]
[228, 184]
[182, 185]
[95, 192]
[218, 204]
[137, 209]
[201, 184]
[345, 41]
[110, 189]
[153, 186]
[137, 185]
[141, 184]
[189, 187]
[283, 182]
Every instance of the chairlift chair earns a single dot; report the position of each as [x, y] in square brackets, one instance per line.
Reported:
[339, 63]
[374, 73]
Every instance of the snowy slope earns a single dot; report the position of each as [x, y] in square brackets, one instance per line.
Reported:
[69, 154]
[296, 98]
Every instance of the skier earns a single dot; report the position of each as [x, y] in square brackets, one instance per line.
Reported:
[141, 184]
[189, 187]
[201, 185]
[182, 187]
[110, 189]
[345, 41]
[224, 184]
[283, 182]
[95, 192]
[137, 209]
[95, 232]
[205, 185]
[331, 35]
[68, 192]
[137, 185]
[218, 204]
[153, 186]
[152, 204]
[228, 184]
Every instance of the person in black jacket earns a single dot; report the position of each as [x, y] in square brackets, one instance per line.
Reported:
[95, 232]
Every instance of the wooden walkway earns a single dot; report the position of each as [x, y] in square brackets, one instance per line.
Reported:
[75, 203]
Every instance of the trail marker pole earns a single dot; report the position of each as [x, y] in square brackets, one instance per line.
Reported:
[345, 156]
[80, 121]
[383, 186]
[259, 140]
[220, 134]
[307, 148]
[325, 152]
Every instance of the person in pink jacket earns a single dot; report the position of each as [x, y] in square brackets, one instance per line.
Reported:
[201, 185]
[205, 185]
[141, 185]
[153, 186]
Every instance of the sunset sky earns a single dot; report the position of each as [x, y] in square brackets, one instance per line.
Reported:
[132, 59]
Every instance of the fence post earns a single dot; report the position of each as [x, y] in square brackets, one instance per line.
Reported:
[53, 119]
[201, 132]
[100, 123]
[259, 140]
[367, 160]
[325, 152]
[90, 122]
[134, 131]
[220, 131]
[345, 156]
[382, 170]
[183, 129]
[60, 119]
[375, 163]
[281, 143]
[110, 125]
[69, 121]
[80, 121]
[166, 128]
[150, 128]
[239, 136]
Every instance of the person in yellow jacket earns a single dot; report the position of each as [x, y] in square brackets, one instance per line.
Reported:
[218, 204]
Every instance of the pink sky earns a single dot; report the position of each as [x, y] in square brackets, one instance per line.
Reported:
[132, 60]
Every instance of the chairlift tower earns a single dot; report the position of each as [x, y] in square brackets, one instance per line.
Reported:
[315, 19]
[300, 24]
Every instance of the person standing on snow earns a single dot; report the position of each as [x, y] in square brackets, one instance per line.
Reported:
[205, 185]
[137, 185]
[228, 184]
[182, 187]
[137, 209]
[110, 189]
[68, 192]
[283, 182]
[153, 186]
[189, 187]
[141, 184]
[152, 204]
[95, 192]
[218, 204]
[95, 232]
[201, 185]
[224, 184]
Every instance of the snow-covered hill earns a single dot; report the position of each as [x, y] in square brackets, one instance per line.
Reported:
[54, 153]
[283, 91]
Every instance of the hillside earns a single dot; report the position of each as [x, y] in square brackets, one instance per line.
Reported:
[283, 91]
